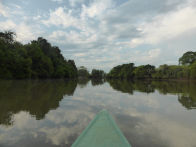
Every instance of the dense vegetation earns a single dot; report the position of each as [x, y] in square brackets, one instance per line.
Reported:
[185, 70]
[184, 90]
[97, 74]
[122, 71]
[37, 59]
[83, 72]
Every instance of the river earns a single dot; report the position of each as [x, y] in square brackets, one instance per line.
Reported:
[52, 113]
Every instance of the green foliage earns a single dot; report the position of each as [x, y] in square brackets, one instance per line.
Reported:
[168, 72]
[186, 70]
[171, 72]
[144, 71]
[37, 59]
[7, 36]
[83, 72]
[124, 71]
[97, 74]
[14, 62]
[188, 58]
[150, 72]
[193, 70]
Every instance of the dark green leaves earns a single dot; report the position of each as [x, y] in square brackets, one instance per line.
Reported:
[37, 59]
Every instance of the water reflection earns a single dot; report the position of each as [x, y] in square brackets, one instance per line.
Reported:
[35, 97]
[96, 82]
[54, 113]
[185, 90]
[82, 82]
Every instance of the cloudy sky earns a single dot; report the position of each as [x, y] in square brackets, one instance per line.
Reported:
[105, 33]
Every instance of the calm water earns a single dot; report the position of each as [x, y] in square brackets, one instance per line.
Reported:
[52, 113]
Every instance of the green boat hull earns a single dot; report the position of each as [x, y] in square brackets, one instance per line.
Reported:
[102, 132]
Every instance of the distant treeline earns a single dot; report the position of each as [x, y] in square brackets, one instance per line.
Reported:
[185, 70]
[95, 73]
[37, 59]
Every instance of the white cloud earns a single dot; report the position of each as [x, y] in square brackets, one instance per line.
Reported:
[154, 53]
[7, 25]
[15, 6]
[38, 17]
[59, 1]
[79, 54]
[10, 10]
[24, 32]
[73, 36]
[96, 8]
[73, 3]
[177, 131]
[3, 10]
[166, 26]
[60, 17]
[151, 56]
[106, 30]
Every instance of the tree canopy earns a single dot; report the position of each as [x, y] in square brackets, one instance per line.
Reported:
[37, 59]
[83, 72]
[97, 74]
[186, 70]
[144, 71]
[188, 58]
[124, 71]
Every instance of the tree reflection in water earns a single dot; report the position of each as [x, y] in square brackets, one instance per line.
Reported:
[185, 90]
[45, 111]
[37, 97]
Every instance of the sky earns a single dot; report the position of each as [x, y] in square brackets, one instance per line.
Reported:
[104, 33]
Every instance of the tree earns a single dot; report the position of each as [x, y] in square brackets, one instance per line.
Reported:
[72, 69]
[42, 66]
[188, 58]
[144, 71]
[83, 72]
[170, 72]
[193, 70]
[124, 71]
[20, 66]
[38, 59]
[97, 73]
[14, 62]
[7, 36]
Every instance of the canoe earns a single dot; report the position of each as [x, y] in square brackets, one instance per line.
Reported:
[102, 131]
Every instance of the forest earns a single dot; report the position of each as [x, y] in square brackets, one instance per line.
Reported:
[39, 59]
[185, 70]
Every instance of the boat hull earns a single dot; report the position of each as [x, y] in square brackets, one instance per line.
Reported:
[102, 132]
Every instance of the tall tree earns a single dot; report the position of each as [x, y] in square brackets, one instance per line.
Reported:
[188, 58]
[38, 59]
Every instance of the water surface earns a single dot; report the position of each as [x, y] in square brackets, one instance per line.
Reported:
[52, 113]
